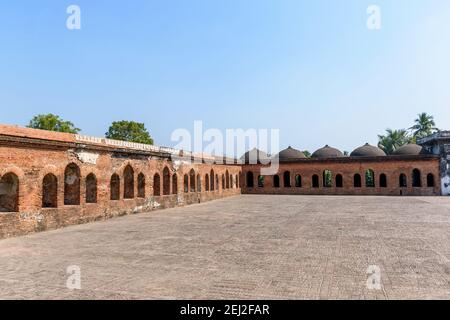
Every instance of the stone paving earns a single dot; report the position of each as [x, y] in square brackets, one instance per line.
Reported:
[245, 247]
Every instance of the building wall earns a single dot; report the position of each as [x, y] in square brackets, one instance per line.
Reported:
[445, 168]
[391, 167]
[74, 169]
[439, 144]
[30, 164]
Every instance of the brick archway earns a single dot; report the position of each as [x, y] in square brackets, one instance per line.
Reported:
[72, 185]
[50, 191]
[9, 193]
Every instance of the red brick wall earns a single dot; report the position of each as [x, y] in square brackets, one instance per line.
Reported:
[391, 167]
[31, 164]
[29, 155]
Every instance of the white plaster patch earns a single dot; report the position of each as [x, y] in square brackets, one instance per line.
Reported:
[445, 185]
[138, 209]
[87, 157]
[149, 205]
[156, 204]
[178, 163]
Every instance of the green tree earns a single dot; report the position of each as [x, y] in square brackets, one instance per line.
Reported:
[370, 178]
[424, 126]
[327, 178]
[307, 153]
[129, 131]
[393, 139]
[52, 122]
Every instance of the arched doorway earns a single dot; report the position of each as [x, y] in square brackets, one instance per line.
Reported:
[199, 183]
[276, 181]
[9, 193]
[166, 181]
[327, 178]
[211, 181]
[357, 181]
[91, 188]
[315, 181]
[403, 182]
[430, 180]
[261, 181]
[370, 178]
[416, 178]
[72, 185]
[186, 183]
[383, 181]
[175, 184]
[339, 181]
[50, 191]
[192, 180]
[141, 185]
[156, 185]
[287, 179]
[114, 187]
[128, 179]
[207, 182]
[298, 181]
[250, 179]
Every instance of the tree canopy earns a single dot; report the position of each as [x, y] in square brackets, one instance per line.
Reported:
[424, 125]
[129, 131]
[52, 122]
[394, 139]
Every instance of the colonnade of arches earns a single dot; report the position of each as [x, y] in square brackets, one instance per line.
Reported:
[195, 182]
[165, 183]
[327, 180]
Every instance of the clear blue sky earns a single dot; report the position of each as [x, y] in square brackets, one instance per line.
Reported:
[310, 68]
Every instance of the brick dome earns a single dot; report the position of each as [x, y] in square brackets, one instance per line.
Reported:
[327, 152]
[409, 149]
[368, 150]
[254, 156]
[291, 154]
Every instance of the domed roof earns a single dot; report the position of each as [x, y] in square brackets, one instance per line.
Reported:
[291, 154]
[327, 152]
[254, 156]
[409, 149]
[368, 151]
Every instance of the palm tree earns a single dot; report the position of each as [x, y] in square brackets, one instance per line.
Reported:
[424, 125]
[393, 139]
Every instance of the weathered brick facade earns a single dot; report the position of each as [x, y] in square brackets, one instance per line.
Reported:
[51, 180]
[346, 168]
[439, 144]
[48, 180]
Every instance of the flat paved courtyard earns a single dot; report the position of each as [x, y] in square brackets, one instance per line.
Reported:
[245, 247]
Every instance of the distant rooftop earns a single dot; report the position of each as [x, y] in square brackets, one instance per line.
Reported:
[438, 136]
